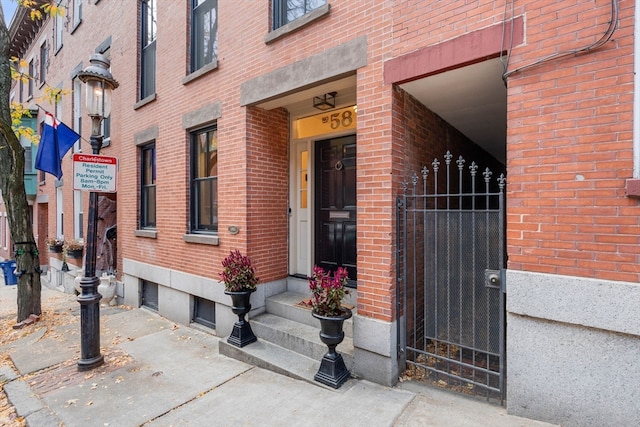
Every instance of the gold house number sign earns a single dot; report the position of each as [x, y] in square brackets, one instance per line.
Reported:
[332, 121]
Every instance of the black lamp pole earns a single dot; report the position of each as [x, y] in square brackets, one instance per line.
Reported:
[99, 84]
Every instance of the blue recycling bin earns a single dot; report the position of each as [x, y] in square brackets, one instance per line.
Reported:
[8, 268]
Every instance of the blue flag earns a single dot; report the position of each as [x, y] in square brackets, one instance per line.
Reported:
[56, 139]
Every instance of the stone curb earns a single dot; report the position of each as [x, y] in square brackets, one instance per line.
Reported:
[28, 405]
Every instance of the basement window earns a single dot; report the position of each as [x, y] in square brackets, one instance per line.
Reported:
[204, 312]
[150, 295]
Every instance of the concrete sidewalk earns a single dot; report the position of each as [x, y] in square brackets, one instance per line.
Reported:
[162, 374]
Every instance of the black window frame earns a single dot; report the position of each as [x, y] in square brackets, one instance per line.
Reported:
[199, 10]
[148, 34]
[32, 77]
[44, 59]
[148, 214]
[280, 11]
[197, 224]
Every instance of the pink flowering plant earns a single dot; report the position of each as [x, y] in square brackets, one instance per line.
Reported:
[327, 292]
[238, 274]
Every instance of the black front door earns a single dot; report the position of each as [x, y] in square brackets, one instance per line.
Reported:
[335, 204]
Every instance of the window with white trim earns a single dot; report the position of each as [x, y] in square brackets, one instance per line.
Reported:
[77, 112]
[59, 23]
[78, 215]
[77, 12]
[59, 212]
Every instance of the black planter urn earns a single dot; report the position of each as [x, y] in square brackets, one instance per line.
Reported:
[74, 253]
[333, 372]
[55, 249]
[241, 334]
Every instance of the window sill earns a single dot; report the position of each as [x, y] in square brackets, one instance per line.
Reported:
[297, 24]
[205, 239]
[58, 49]
[149, 234]
[144, 101]
[633, 188]
[201, 72]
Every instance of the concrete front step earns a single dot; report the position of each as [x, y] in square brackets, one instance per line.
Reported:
[288, 340]
[270, 356]
[298, 337]
[285, 305]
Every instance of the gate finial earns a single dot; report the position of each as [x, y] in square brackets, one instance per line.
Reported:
[436, 164]
[473, 168]
[414, 179]
[502, 180]
[447, 157]
[460, 163]
[487, 174]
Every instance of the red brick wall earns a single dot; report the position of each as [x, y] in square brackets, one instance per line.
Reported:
[570, 146]
[267, 191]
[569, 137]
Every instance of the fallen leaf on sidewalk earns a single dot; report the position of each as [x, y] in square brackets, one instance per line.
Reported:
[71, 402]
[89, 403]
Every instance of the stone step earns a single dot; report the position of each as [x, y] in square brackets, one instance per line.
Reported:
[267, 355]
[297, 337]
[288, 338]
[298, 285]
[286, 305]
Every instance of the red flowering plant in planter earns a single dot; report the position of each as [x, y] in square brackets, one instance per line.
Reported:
[328, 292]
[238, 273]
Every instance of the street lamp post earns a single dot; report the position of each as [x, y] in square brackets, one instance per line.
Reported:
[99, 84]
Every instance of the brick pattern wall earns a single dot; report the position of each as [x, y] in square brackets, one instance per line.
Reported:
[570, 146]
[569, 132]
[267, 191]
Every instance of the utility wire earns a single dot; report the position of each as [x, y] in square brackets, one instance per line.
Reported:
[613, 25]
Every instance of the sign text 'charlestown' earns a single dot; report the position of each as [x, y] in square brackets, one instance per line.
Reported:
[92, 172]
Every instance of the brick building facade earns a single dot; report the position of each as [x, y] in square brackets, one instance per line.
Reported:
[543, 91]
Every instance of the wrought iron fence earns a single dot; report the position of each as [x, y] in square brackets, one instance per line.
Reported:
[450, 277]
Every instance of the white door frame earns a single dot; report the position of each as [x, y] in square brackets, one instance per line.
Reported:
[300, 211]
[301, 220]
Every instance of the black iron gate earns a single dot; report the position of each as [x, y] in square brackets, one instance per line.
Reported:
[451, 277]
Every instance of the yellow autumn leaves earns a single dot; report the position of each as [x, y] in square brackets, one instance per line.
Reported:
[36, 12]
